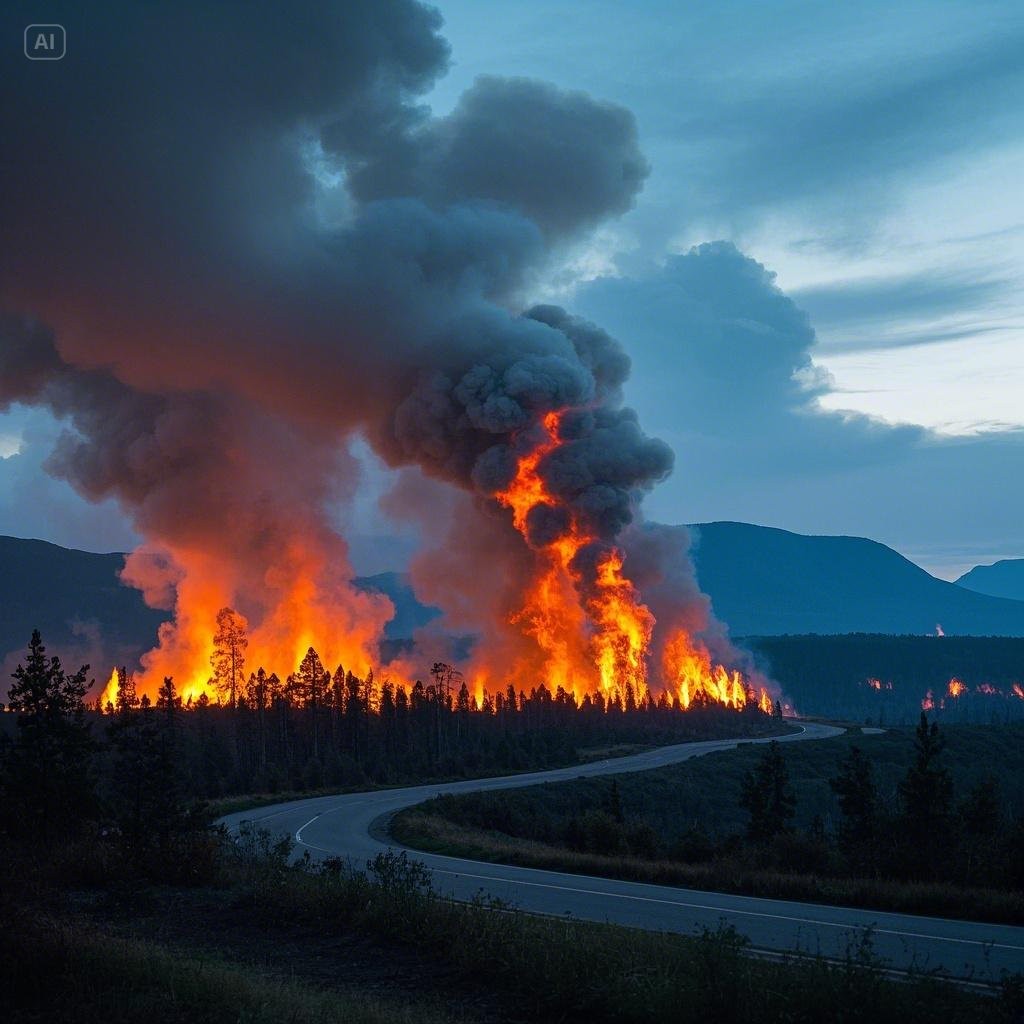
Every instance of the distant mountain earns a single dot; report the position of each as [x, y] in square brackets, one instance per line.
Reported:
[762, 582]
[1003, 579]
[767, 582]
[75, 599]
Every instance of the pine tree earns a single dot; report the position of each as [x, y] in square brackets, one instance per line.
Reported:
[49, 786]
[228, 658]
[768, 796]
[858, 800]
[926, 794]
[147, 787]
[312, 685]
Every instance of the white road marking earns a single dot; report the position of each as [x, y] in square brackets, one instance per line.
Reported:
[298, 833]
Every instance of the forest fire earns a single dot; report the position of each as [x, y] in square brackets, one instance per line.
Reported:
[591, 643]
[957, 689]
[312, 607]
[583, 626]
[593, 629]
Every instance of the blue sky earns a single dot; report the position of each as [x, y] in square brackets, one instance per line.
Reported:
[848, 356]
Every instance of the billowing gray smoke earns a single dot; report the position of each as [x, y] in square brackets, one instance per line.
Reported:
[227, 314]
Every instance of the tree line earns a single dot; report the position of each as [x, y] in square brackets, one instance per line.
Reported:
[139, 766]
[928, 835]
[829, 675]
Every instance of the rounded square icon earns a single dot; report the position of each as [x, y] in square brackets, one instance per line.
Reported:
[45, 42]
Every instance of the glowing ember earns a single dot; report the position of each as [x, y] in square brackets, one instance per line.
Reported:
[928, 704]
[956, 688]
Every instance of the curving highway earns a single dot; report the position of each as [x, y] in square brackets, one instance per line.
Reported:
[351, 826]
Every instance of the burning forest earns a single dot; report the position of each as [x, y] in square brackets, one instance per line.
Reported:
[369, 284]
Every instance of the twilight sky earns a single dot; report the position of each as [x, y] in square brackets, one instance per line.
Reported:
[819, 285]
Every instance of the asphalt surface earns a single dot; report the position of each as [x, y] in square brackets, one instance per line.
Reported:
[354, 826]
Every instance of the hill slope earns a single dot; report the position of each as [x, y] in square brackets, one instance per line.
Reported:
[1002, 579]
[764, 581]
[74, 598]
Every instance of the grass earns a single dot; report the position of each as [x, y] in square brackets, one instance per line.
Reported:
[60, 969]
[560, 969]
[495, 964]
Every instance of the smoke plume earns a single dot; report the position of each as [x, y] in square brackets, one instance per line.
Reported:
[249, 241]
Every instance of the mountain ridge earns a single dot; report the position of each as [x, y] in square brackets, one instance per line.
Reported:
[763, 581]
[1004, 578]
[768, 581]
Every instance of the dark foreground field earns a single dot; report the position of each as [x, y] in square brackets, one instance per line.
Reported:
[88, 940]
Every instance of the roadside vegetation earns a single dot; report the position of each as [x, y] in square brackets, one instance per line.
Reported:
[897, 821]
[261, 939]
[121, 903]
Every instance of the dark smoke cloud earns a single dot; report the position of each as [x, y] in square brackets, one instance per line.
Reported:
[218, 340]
[564, 160]
[197, 471]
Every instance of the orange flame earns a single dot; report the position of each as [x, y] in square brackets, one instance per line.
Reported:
[109, 692]
[595, 636]
[956, 688]
[697, 679]
[307, 601]
[584, 630]
[928, 704]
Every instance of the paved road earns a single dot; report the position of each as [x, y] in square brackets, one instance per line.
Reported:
[345, 826]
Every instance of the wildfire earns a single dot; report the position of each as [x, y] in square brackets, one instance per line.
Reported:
[958, 688]
[877, 684]
[311, 603]
[109, 693]
[594, 632]
[583, 624]
[691, 670]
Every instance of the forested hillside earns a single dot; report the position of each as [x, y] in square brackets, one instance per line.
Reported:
[890, 679]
